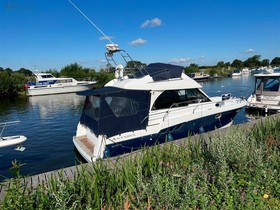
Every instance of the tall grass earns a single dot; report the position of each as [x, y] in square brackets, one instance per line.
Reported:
[239, 170]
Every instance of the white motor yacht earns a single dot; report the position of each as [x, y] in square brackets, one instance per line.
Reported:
[47, 84]
[159, 103]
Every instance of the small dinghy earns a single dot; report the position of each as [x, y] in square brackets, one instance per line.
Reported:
[11, 140]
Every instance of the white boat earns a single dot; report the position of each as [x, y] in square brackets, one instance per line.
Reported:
[266, 95]
[236, 73]
[246, 71]
[157, 104]
[199, 76]
[47, 84]
[11, 140]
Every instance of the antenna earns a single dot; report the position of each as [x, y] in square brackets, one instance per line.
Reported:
[91, 22]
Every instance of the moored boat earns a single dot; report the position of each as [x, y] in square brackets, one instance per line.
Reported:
[236, 73]
[199, 76]
[47, 84]
[266, 95]
[11, 140]
[159, 103]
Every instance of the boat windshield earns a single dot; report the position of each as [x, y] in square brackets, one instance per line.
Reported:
[46, 76]
[269, 84]
[178, 98]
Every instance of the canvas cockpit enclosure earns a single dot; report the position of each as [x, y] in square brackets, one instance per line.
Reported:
[110, 111]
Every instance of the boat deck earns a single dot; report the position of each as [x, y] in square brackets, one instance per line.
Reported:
[86, 144]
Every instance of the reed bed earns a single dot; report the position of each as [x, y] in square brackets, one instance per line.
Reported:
[239, 170]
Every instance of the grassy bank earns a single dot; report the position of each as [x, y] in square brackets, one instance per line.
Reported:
[239, 170]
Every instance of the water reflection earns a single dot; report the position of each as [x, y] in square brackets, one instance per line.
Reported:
[52, 104]
[11, 104]
[241, 87]
[49, 123]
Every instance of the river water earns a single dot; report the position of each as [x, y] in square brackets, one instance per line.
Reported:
[49, 123]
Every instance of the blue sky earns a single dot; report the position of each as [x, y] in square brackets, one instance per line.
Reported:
[52, 33]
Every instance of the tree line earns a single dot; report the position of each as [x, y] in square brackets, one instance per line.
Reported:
[223, 68]
[12, 82]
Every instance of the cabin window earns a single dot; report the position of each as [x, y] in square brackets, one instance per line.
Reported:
[179, 98]
[271, 84]
[258, 84]
[121, 106]
[65, 81]
[92, 107]
[47, 76]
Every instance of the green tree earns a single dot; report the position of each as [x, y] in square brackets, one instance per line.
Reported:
[275, 61]
[221, 64]
[265, 62]
[135, 64]
[192, 68]
[213, 71]
[103, 77]
[253, 61]
[11, 83]
[227, 64]
[77, 71]
[237, 64]
[54, 72]
[73, 70]
[25, 72]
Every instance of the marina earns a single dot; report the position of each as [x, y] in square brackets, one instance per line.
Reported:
[50, 122]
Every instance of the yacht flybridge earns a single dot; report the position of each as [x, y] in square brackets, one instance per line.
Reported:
[158, 103]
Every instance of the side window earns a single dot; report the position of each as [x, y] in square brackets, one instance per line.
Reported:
[166, 99]
[92, 107]
[179, 98]
[122, 106]
[271, 84]
[258, 84]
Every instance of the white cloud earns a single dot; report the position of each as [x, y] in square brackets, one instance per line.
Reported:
[102, 61]
[249, 51]
[106, 38]
[139, 41]
[151, 23]
[181, 60]
[202, 57]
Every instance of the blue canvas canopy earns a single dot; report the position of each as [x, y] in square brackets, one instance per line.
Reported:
[161, 71]
[110, 111]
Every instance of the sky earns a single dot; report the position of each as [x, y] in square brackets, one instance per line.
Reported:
[51, 34]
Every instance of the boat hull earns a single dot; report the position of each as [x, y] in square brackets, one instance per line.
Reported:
[176, 132]
[179, 131]
[48, 90]
[11, 140]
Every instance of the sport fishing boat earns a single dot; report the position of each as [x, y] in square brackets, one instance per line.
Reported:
[47, 84]
[11, 140]
[158, 103]
[266, 95]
